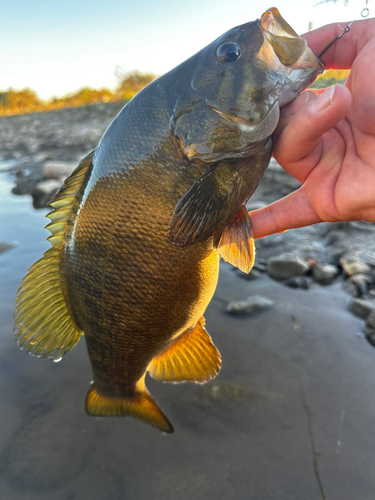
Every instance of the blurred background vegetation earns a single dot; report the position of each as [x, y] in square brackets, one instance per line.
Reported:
[13, 102]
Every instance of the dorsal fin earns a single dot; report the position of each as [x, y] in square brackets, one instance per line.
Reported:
[44, 323]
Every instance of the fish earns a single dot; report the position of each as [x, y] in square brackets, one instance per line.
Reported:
[138, 228]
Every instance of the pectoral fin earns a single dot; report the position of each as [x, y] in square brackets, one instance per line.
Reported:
[192, 357]
[207, 206]
[236, 244]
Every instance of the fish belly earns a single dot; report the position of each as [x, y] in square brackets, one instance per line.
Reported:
[130, 289]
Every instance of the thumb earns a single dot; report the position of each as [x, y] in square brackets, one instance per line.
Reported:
[301, 126]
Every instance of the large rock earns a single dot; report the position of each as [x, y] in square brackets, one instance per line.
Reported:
[361, 307]
[252, 304]
[286, 266]
[361, 282]
[352, 266]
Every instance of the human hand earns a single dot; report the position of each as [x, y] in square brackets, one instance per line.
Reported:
[328, 142]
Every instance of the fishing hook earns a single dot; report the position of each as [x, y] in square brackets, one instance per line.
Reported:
[345, 30]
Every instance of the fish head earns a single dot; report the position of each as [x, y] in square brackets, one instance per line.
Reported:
[237, 85]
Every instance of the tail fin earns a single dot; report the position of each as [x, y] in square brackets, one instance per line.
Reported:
[141, 406]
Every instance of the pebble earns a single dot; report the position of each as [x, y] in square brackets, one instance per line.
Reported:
[286, 266]
[252, 304]
[352, 267]
[253, 275]
[4, 246]
[297, 282]
[58, 169]
[324, 273]
[361, 307]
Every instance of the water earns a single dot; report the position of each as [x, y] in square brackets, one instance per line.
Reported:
[289, 417]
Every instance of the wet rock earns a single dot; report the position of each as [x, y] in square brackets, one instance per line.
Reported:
[260, 265]
[324, 273]
[361, 307]
[351, 289]
[4, 246]
[286, 266]
[252, 304]
[43, 192]
[361, 283]
[370, 323]
[253, 275]
[369, 327]
[297, 282]
[58, 169]
[353, 266]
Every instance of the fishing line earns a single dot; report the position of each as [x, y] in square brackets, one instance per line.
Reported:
[345, 30]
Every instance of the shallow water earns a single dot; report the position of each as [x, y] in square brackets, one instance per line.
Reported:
[289, 417]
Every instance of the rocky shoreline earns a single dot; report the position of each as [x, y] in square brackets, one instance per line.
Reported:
[39, 150]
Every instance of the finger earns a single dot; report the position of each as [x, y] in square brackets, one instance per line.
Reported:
[343, 52]
[298, 136]
[288, 213]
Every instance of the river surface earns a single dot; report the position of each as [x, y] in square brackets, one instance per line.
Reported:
[290, 417]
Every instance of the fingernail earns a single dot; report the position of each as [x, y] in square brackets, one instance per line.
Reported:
[324, 100]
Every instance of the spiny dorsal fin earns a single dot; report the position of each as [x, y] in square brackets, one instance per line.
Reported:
[236, 244]
[44, 324]
[192, 357]
[141, 406]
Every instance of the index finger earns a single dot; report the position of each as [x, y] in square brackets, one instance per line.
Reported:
[343, 52]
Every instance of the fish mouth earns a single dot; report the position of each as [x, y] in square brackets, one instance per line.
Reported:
[292, 64]
[283, 49]
[257, 130]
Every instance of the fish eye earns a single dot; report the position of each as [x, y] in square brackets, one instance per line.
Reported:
[228, 52]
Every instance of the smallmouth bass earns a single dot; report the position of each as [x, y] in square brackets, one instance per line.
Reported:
[139, 227]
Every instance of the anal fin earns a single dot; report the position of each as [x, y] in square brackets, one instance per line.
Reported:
[191, 357]
[141, 406]
[236, 244]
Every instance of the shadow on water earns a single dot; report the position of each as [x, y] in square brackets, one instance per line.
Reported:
[290, 416]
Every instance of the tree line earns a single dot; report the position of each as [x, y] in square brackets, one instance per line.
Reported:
[13, 102]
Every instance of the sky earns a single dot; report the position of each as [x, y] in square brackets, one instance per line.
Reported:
[56, 47]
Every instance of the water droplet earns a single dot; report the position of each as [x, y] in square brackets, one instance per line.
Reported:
[57, 355]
